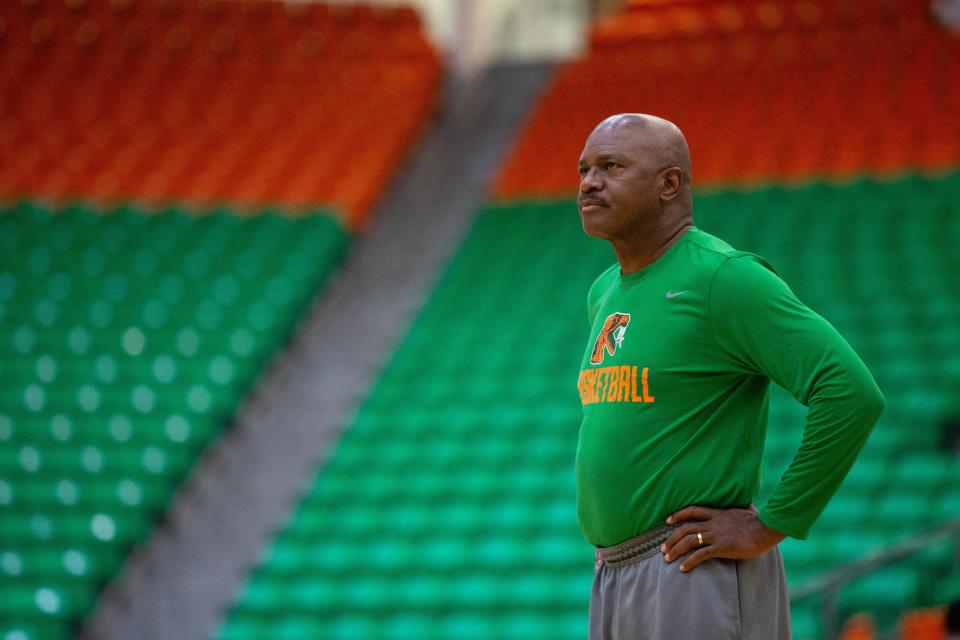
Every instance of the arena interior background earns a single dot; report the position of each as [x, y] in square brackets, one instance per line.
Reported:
[196, 195]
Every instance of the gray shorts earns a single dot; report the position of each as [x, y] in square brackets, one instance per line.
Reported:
[638, 596]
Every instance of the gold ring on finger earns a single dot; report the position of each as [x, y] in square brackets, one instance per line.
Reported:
[700, 538]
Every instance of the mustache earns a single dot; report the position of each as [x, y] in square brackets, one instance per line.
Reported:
[589, 200]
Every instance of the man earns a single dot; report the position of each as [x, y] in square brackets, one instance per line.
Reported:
[686, 334]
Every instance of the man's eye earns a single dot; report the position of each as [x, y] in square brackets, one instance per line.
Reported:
[610, 165]
[583, 171]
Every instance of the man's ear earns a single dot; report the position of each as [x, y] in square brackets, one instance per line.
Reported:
[672, 179]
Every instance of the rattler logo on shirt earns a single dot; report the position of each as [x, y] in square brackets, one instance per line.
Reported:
[621, 383]
[611, 336]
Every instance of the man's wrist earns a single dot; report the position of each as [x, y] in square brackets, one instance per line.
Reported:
[770, 534]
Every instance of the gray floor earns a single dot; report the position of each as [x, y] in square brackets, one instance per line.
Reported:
[182, 582]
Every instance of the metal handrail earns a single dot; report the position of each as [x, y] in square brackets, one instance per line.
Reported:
[828, 584]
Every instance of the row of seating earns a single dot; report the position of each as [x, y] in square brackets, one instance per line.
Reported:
[219, 27]
[662, 20]
[209, 102]
[129, 340]
[928, 623]
[264, 14]
[476, 492]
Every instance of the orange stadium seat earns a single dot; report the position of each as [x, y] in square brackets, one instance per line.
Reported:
[923, 624]
[859, 627]
[206, 101]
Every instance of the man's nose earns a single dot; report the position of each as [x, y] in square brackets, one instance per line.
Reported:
[589, 182]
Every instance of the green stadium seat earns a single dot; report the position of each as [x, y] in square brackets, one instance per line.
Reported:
[885, 592]
[947, 502]
[805, 621]
[925, 472]
[947, 589]
[934, 562]
[900, 512]
[241, 628]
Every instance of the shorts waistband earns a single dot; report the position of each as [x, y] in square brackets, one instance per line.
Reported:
[635, 549]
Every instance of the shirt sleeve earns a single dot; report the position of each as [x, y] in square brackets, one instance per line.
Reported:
[764, 329]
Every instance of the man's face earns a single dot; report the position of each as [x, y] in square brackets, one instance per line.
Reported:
[618, 184]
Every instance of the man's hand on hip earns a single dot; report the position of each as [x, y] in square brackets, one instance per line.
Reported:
[737, 534]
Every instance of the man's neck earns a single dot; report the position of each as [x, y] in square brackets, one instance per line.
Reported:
[637, 255]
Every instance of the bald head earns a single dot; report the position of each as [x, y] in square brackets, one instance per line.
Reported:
[661, 140]
[635, 180]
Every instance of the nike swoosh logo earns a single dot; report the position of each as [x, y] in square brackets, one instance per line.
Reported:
[674, 294]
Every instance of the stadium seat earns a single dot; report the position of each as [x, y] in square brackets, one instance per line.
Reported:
[923, 624]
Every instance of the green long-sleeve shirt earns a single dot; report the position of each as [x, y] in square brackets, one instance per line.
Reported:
[675, 391]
